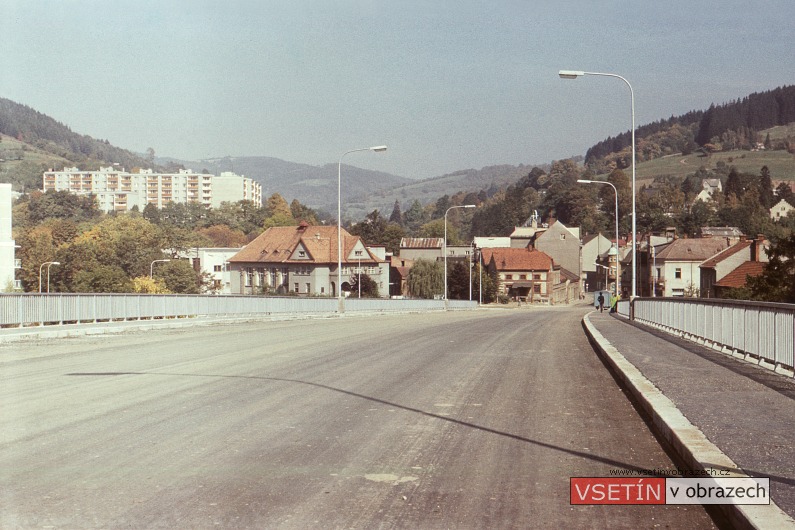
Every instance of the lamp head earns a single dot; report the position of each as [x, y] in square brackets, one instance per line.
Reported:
[584, 181]
[570, 74]
[55, 263]
[378, 148]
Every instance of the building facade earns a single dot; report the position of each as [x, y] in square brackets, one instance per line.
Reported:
[522, 273]
[302, 260]
[116, 190]
[8, 262]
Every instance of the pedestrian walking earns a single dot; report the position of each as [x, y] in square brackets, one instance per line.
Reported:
[601, 301]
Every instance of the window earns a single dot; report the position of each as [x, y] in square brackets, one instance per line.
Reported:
[217, 268]
[678, 273]
[523, 276]
[536, 276]
[562, 236]
[308, 288]
[301, 253]
[509, 276]
[357, 253]
[296, 287]
[537, 288]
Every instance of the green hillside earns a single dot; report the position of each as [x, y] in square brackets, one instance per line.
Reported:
[22, 164]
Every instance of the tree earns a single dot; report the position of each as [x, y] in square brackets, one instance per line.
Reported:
[426, 279]
[784, 191]
[414, 217]
[369, 287]
[224, 236]
[180, 277]
[777, 281]
[396, 216]
[458, 280]
[102, 279]
[765, 183]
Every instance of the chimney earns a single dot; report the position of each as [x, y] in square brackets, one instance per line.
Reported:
[756, 247]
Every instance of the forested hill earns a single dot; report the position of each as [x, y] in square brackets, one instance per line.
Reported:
[42, 132]
[731, 125]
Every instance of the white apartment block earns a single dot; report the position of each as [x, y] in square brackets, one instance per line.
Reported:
[8, 263]
[115, 190]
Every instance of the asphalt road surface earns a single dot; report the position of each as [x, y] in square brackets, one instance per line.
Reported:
[455, 420]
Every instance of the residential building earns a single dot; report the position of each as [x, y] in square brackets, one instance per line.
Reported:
[562, 244]
[781, 209]
[730, 267]
[212, 262]
[8, 261]
[492, 242]
[522, 273]
[709, 188]
[733, 233]
[303, 260]
[594, 251]
[677, 264]
[116, 190]
[414, 248]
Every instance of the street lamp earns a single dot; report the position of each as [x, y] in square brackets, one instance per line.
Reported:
[376, 149]
[574, 74]
[152, 266]
[586, 181]
[445, 243]
[49, 264]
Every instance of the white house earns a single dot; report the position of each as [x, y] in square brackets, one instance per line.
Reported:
[8, 262]
[781, 209]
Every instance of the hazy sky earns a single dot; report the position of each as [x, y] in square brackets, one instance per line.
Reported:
[447, 85]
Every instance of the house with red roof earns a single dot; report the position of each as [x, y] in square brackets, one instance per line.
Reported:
[527, 273]
[730, 268]
[303, 260]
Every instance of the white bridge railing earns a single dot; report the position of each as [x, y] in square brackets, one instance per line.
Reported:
[764, 332]
[18, 310]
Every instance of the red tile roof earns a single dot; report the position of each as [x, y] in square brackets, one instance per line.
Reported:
[737, 277]
[277, 244]
[518, 259]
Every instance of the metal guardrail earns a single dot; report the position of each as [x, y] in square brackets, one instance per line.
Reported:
[18, 310]
[755, 330]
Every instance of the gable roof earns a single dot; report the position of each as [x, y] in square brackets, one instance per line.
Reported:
[737, 277]
[422, 242]
[278, 244]
[731, 251]
[519, 259]
[700, 249]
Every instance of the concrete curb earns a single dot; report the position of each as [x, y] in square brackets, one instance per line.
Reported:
[690, 444]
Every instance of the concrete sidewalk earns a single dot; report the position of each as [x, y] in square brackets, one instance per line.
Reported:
[717, 412]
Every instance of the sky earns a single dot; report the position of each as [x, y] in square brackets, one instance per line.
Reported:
[446, 85]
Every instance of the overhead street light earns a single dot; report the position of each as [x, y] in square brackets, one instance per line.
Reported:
[574, 74]
[586, 181]
[152, 266]
[445, 243]
[48, 264]
[376, 149]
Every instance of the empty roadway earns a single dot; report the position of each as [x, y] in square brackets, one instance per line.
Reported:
[440, 420]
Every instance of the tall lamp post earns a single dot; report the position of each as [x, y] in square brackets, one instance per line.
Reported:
[152, 266]
[376, 149]
[586, 181]
[49, 264]
[574, 74]
[445, 242]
